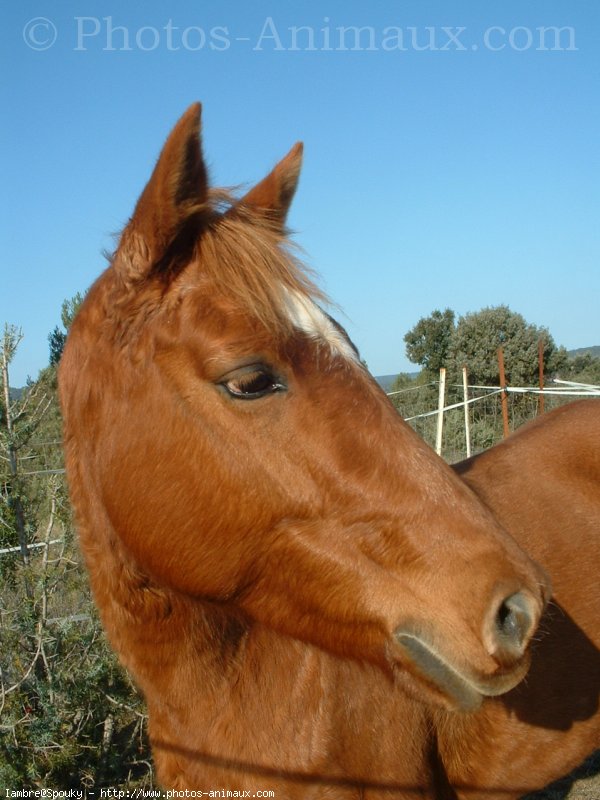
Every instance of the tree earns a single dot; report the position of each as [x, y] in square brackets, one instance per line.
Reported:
[58, 338]
[429, 341]
[69, 714]
[69, 309]
[478, 336]
[436, 341]
[20, 420]
[582, 367]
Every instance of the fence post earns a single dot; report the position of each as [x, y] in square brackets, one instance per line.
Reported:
[503, 395]
[440, 414]
[467, 421]
[541, 374]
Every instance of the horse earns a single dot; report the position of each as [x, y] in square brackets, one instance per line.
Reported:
[543, 485]
[313, 604]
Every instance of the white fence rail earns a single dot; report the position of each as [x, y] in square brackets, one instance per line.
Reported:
[475, 394]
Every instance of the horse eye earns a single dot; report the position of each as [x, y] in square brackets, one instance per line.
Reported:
[251, 383]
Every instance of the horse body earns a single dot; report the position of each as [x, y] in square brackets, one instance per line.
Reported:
[542, 484]
[308, 597]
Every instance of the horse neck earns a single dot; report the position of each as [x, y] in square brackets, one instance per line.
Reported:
[220, 686]
[242, 693]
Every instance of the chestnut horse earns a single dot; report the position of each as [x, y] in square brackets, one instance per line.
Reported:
[543, 485]
[311, 601]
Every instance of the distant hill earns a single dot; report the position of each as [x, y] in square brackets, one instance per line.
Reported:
[581, 351]
[386, 381]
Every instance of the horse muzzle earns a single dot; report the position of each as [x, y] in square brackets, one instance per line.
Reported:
[503, 660]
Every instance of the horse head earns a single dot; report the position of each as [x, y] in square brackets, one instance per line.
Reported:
[222, 427]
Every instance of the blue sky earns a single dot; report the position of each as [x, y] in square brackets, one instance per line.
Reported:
[451, 152]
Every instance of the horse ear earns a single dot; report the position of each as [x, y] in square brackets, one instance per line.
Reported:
[169, 213]
[272, 197]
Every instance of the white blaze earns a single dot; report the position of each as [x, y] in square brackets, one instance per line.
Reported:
[308, 317]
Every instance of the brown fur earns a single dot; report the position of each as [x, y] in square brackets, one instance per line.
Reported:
[543, 485]
[265, 567]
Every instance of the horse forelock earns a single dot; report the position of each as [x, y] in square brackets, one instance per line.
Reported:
[240, 256]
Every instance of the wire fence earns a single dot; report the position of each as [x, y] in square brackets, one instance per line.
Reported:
[465, 419]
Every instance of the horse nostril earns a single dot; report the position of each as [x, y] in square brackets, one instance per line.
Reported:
[514, 623]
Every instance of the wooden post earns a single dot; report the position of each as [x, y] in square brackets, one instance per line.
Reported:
[503, 395]
[467, 421]
[541, 373]
[440, 415]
